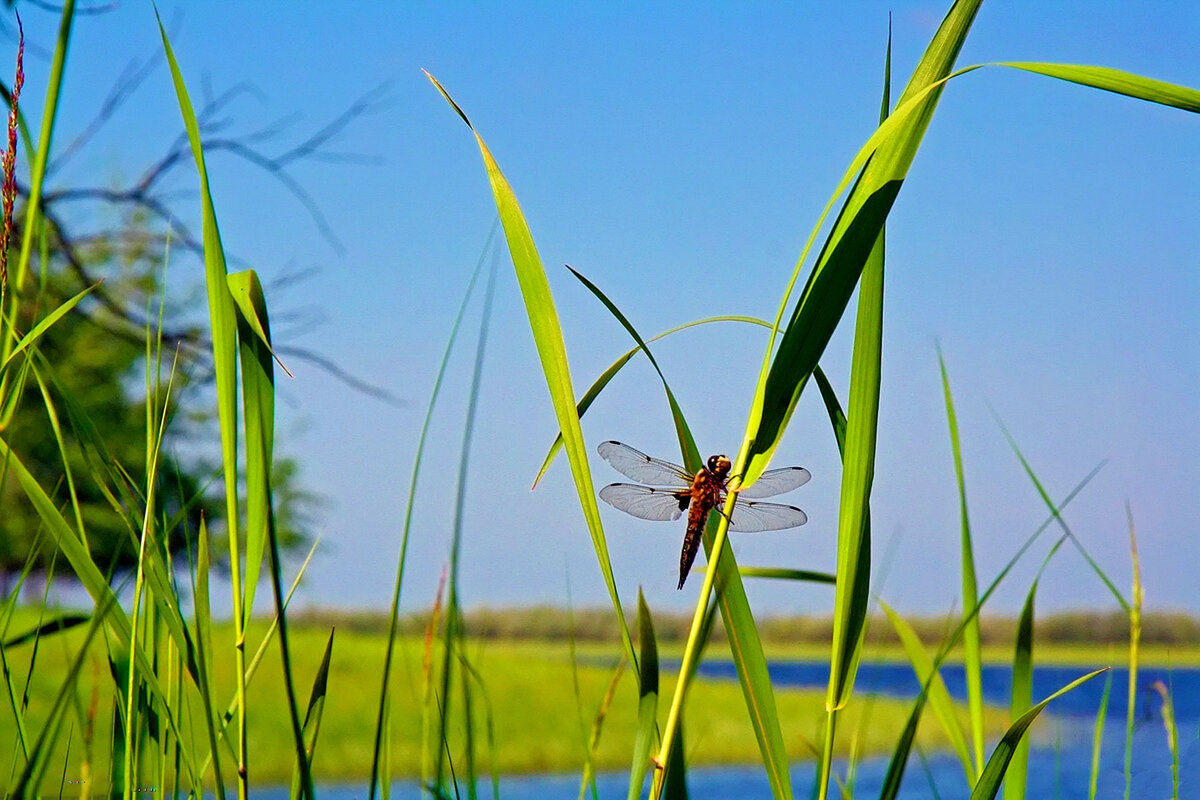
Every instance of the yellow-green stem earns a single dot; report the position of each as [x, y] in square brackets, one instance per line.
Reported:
[691, 650]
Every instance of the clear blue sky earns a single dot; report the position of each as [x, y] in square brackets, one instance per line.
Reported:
[678, 155]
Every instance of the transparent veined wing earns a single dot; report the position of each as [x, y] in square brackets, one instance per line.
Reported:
[751, 517]
[646, 502]
[641, 467]
[777, 481]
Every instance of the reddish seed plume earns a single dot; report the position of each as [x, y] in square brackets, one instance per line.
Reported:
[8, 164]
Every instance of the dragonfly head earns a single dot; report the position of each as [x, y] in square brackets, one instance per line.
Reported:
[719, 466]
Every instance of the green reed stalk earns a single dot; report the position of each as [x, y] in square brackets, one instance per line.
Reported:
[1135, 641]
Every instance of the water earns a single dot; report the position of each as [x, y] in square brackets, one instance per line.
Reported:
[1059, 764]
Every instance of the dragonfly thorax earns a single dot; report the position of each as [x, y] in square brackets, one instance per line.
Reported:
[719, 466]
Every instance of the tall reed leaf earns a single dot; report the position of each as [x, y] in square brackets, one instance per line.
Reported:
[997, 765]
[858, 473]
[845, 252]
[312, 715]
[223, 329]
[972, 649]
[547, 335]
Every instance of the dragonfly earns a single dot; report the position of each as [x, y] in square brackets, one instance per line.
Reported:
[673, 490]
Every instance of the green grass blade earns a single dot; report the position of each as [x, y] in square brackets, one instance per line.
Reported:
[1118, 82]
[312, 715]
[787, 574]
[1054, 511]
[547, 334]
[938, 696]
[223, 331]
[1022, 696]
[687, 443]
[993, 773]
[606, 377]
[29, 339]
[1098, 736]
[647, 700]
[904, 743]
[890, 151]
[258, 398]
[380, 774]
[972, 647]
[46, 627]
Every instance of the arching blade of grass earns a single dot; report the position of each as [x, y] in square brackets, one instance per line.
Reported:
[606, 377]
[1022, 696]
[647, 701]
[223, 329]
[202, 606]
[972, 649]
[547, 334]
[936, 692]
[742, 633]
[997, 765]
[687, 443]
[380, 774]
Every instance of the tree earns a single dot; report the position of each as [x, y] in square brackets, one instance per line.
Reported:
[78, 413]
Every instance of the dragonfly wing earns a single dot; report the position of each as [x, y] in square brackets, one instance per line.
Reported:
[646, 502]
[777, 481]
[752, 517]
[641, 467]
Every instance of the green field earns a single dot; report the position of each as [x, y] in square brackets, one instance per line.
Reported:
[539, 725]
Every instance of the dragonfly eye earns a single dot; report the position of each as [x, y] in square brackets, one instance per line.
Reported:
[719, 465]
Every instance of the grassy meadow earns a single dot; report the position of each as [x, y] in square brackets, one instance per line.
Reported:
[148, 689]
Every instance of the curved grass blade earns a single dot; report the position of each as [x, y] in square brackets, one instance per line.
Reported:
[972, 647]
[606, 377]
[647, 700]
[1117, 82]
[993, 773]
[380, 776]
[1022, 696]
[202, 607]
[547, 334]
[687, 444]
[44, 628]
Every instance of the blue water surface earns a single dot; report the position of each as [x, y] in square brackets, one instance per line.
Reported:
[1060, 762]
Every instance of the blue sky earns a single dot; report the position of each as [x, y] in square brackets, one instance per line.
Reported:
[678, 156]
